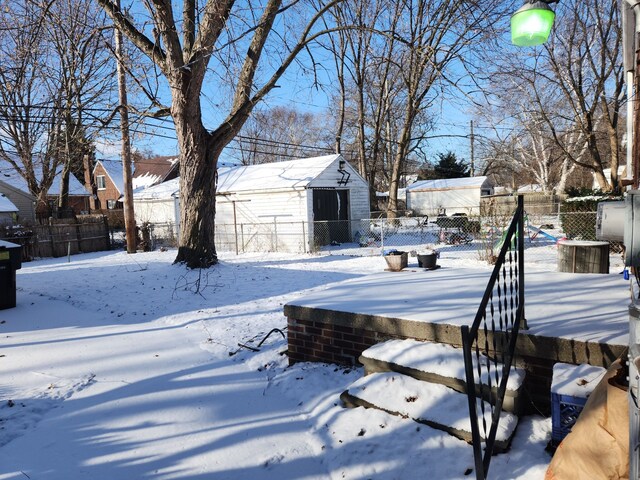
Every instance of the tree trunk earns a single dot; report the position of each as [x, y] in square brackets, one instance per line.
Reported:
[198, 182]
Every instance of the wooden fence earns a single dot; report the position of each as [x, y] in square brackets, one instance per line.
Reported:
[58, 238]
[535, 203]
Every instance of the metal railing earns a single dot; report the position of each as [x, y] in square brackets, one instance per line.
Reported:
[489, 344]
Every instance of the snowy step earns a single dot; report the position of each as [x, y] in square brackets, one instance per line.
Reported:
[435, 363]
[432, 404]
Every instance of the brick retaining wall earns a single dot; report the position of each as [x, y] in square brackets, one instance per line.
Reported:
[317, 335]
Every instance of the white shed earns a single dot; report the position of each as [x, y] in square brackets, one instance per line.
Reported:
[448, 195]
[284, 206]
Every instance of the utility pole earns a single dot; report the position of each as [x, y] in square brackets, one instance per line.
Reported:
[472, 172]
[129, 218]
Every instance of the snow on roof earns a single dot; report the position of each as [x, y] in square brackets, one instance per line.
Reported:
[163, 190]
[9, 175]
[267, 176]
[114, 170]
[402, 194]
[7, 205]
[447, 183]
[273, 176]
[532, 187]
[151, 171]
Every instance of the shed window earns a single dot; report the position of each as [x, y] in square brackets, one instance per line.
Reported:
[111, 204]
[101, 182]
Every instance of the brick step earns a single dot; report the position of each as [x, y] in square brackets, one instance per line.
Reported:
[434, 405]
[435, 363]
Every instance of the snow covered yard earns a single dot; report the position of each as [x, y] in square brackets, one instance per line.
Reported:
[117, 366]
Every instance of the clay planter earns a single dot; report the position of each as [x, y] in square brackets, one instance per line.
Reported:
[397, 260]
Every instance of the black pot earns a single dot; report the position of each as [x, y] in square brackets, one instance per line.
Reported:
[427, 261]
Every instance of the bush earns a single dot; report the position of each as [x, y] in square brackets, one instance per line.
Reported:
[578, 213]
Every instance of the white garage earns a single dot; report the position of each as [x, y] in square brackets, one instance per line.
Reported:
[292, 206]
[448, 195]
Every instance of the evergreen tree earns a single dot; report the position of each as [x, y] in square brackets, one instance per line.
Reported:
[449, 166]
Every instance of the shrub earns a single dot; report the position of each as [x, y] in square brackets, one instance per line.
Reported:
[578, 213]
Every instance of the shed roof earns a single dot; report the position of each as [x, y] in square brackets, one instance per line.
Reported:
[7, 205]
[273, 176]
[292, 174]
[448, 184]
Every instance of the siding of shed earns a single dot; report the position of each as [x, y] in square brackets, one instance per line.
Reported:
[160, 213]
[255, 221]
[464, 200]
[23, 201]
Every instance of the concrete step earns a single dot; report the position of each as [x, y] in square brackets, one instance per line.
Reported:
[435, 363]
[431, 404]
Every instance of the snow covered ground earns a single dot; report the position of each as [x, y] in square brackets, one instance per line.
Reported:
[118, 366]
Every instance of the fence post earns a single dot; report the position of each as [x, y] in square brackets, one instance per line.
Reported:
[79, 236]
[53, 243]
[304, 238]
[275, 231]
[107, 237]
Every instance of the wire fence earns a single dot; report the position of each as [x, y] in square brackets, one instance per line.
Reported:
[459, 236]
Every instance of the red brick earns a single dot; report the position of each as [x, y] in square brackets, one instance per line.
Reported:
[313, 331]
[331, 349]
[353, 338]
[297, 342]
[304, 322]
[340, 328]
[343, 344]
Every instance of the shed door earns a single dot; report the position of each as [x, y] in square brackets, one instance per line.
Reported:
[331, 216]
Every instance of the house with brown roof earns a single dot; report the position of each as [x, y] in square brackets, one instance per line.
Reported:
[156, 170]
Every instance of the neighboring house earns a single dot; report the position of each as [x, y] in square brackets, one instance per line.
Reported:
[14, 186]
[8, 211]
[108, 178]
[283, 206]
[152, 171]
[21, 199]
[448, 196]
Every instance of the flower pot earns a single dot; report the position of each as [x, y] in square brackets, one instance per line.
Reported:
[427, 260]
[397, 260]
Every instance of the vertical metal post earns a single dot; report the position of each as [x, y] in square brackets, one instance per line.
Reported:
[275, 231]
[467, 344]
[304, 238]
[235, 224]
[520, 231]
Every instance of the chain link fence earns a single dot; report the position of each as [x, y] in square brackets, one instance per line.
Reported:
[460, 236]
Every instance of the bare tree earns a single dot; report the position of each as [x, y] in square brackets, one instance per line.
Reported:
[182, 44]
[282, 133]
[25, 123]
[572, 87]
[403, 57]
[80, 78]
[54, 71]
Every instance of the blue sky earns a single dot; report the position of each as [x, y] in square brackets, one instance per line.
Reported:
[295, 90]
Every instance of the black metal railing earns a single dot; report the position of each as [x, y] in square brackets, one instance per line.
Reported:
[489, 344]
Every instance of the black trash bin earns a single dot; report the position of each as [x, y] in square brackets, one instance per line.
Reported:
[10, 261]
